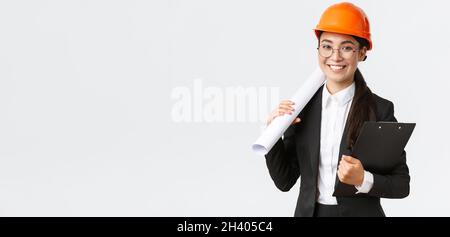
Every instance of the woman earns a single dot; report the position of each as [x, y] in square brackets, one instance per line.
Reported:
[316, 146]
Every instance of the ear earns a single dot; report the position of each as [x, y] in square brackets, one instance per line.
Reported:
[362, 54]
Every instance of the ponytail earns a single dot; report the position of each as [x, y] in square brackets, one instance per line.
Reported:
[363, 109]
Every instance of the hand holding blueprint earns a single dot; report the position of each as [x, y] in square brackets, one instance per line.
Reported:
[278, 126]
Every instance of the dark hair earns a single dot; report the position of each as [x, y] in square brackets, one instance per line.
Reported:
[363, 106]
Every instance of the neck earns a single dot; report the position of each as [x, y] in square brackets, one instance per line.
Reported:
[334, 87]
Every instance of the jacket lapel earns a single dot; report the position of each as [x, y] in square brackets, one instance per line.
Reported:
[344, 149]
[341, 189]
[315, 119]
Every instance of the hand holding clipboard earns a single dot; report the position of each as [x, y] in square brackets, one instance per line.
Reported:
[379, 147]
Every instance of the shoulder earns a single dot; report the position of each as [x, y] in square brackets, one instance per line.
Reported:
[382, 102]
[385, 108]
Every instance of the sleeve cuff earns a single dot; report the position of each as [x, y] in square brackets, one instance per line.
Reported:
[367, 184]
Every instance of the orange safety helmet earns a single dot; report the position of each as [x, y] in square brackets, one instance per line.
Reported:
[345, 18]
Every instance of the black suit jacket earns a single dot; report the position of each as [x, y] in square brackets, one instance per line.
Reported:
[297, 155]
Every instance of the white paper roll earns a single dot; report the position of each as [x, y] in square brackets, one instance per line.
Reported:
[279, 125]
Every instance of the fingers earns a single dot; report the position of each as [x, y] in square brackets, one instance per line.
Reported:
[297, 120]
[344, 171]
[283, 111]
[285, 107]
[344, 166]
[276, 113]
[340, 175]
[269, 119]
[349, 159]
[287, 102]
[348, 165]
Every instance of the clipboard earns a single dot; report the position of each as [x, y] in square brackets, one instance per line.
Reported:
[379, 147]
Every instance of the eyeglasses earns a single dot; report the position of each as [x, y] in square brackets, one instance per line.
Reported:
[326, 51]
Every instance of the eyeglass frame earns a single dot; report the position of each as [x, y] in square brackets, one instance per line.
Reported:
[339, 50]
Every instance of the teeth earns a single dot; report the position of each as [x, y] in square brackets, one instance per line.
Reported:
[336, 67]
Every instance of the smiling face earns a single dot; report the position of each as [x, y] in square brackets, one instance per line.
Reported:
[340, 67]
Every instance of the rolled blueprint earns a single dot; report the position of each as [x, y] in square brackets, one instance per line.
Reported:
[279, 125]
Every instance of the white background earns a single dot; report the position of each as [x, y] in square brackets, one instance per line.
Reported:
[85, 106]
